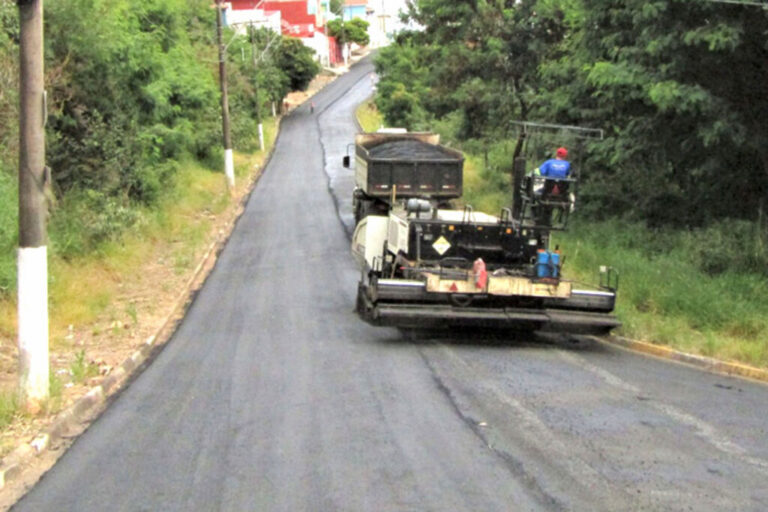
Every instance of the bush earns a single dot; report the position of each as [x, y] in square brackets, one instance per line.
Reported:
[85, 219]
[729, 245]
[130, 97]
[9, 229]
[133, 94]
[664, 292]
[400, 107]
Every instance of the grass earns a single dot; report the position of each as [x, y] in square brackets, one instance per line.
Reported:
[9, 407]
[369, 117]
[9, 221]
[81, 370]
[666, 298]
[482, 194]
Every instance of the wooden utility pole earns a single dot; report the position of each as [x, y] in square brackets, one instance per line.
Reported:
[229, 165]
[32, 256]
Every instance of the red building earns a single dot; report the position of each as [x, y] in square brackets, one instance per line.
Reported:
[296, 20]
[335, 56]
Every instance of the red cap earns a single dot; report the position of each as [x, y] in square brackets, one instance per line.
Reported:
[562, 152]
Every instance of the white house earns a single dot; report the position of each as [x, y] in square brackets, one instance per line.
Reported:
[240, 19]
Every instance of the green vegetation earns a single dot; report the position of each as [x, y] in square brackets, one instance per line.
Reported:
[368, 117]
[297, 63]
[352, 31]
[133, 117]
[9, 407]
[666, 296]
[9, 222]
[80, 369]
[670, 82]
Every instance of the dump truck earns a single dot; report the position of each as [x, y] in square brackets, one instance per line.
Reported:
[403, 166]
[425, 264]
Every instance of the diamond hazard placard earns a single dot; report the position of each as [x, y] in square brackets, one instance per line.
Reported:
[441, 245]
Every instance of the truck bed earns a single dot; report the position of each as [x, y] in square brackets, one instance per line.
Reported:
[414, 164]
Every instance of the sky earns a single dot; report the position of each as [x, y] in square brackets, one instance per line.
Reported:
[390, 7]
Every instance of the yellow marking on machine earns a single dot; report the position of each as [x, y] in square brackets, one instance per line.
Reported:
[441, 245]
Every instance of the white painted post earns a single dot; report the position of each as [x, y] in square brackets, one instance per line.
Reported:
[33, 324]
[229, 167]
[261, 136]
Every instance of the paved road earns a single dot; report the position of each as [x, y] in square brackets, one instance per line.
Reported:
[273, 396]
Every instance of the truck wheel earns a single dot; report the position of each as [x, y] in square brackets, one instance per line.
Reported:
[360, 303]
[362, 210]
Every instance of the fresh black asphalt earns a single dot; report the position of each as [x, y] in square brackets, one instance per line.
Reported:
[273, 396]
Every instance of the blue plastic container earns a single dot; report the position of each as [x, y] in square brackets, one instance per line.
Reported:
[554, 264]
[542, 264]
[547, 264]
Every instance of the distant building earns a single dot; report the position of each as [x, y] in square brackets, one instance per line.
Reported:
[296, 20]
[355, 9]
[302, 19]
[238, 15]
[384, 19]
[379, 21]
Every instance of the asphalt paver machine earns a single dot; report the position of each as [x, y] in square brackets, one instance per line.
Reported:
[425, 264]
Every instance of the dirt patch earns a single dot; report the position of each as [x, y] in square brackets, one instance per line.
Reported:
[296, 98]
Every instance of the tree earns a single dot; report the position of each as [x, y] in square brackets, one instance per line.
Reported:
[474, 62]
[674, 85]
[337, 7]
[348, 32]
[352, 31]
[297, 62]
[402, 85]
[127, 94]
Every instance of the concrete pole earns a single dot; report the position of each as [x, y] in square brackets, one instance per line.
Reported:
[32, 256]
[229, 164]
[256, 89]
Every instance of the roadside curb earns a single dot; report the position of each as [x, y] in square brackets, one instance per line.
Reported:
[74, 419]
[703, 362]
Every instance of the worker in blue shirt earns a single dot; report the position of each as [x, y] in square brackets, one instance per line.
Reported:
[556, 168]
[552, 189]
